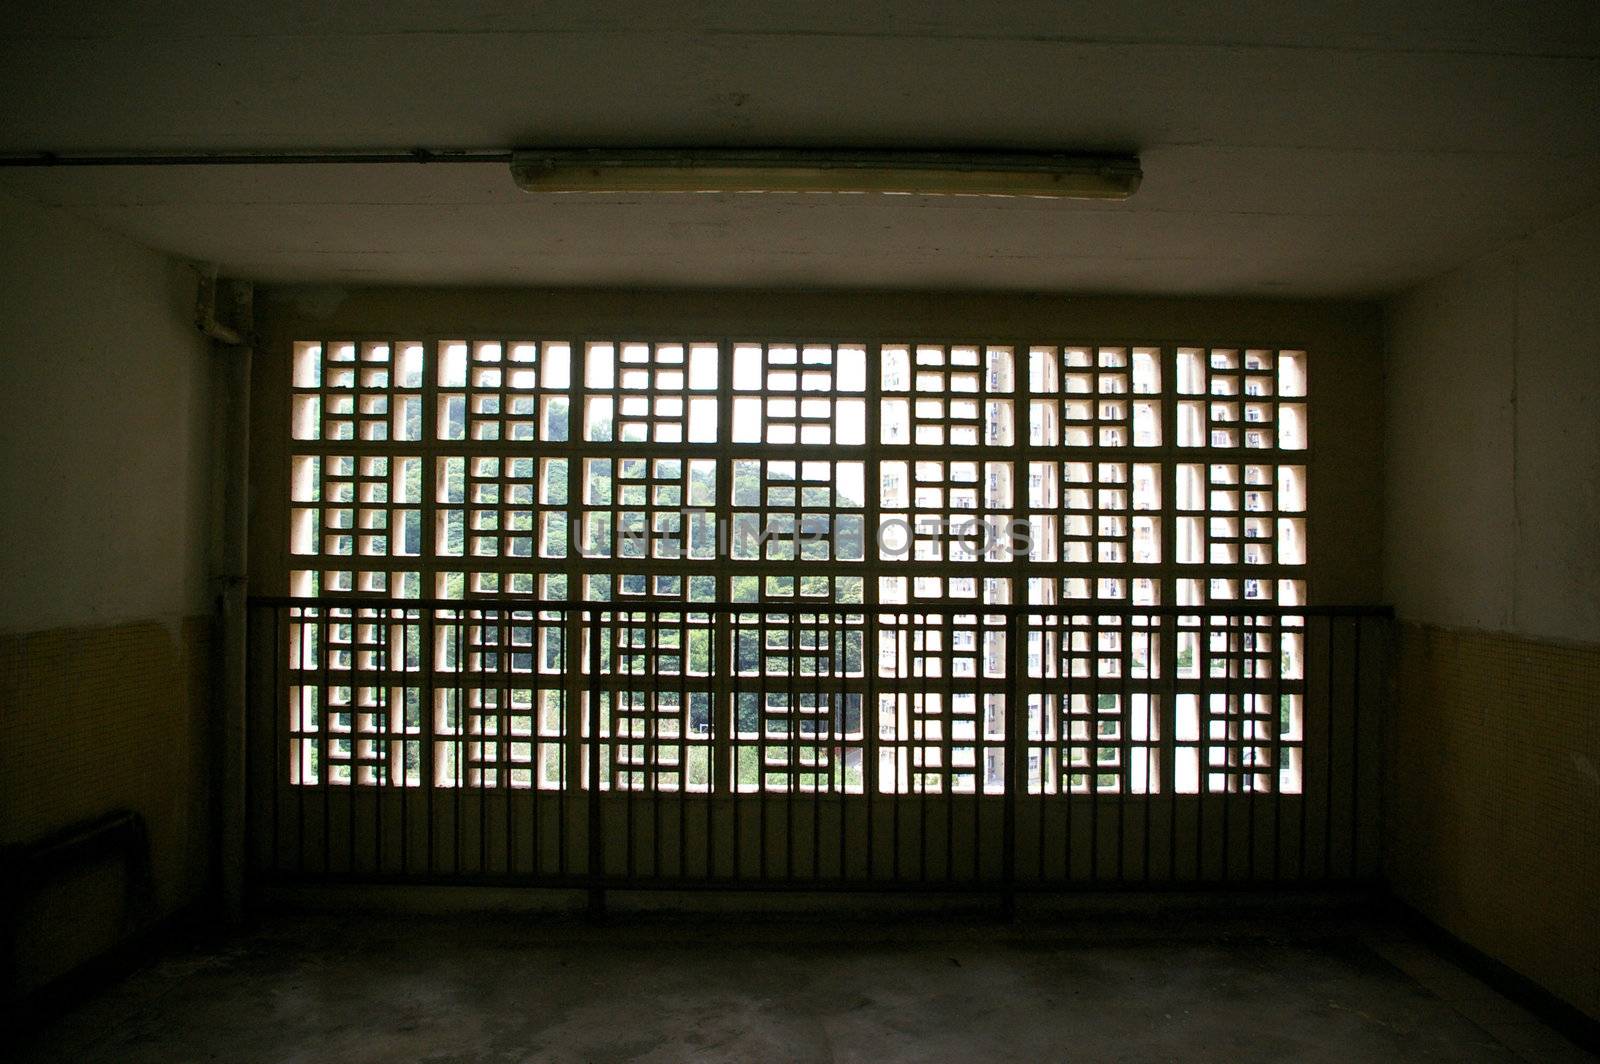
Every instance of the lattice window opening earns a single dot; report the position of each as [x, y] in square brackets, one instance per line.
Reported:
[941, 742]
[493, 391]
[504, 513]
[350, 391]
[807, 394]
[493, 649]
[657, 739]
[639, 392]
[495, 737]
[935, 395]
[622, 586]
[938, 730]
[667, 646]
[353, 716]
[797, 702]
[1097, 741]
[783, 510]
[938, 647]
[801, 646]
[1229, 514]
[371, 735]
[909, 591]
[1239, 717]
[1098, 720]
[1101, 397]
[1095, 513]
[1254, 398]
[361, 510]
[637, 508]
[957, 511]
[790, 738]
[1237, 527]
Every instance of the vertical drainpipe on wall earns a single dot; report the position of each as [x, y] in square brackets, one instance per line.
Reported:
[231, 343]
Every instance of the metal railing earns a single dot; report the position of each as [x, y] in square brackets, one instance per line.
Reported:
[790, 745]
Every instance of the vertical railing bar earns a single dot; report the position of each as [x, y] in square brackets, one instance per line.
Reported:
[1124, 721]
[621, 746]
[871, 785]
[484, 679]
[1152, 775]
[536, 697]
[1254, 748]
[540, 632]
[1385, 658]
[275, 705]
[458, 732]
[1015, 764]
[1049, 735]
[817, 746]
[506, 647]
[565, 725]
[839, 641]
[947, 755]
[300, 761]
[1302, 843]
[1327, 822]
[405, 742]
[649, 783]
[685, 653]
[764, 620]
[902, 622]
[1066, 741]
[503, 763]
[919, 760]
[716, 736]
[1093, 620]
[980, 741]
[652, 754]
[324, 769]
[482, 684]
[732, 711]
[380, 713]
[595, 869]
[1277, 748]
[824, 724]
[1355, 749]
[1169, 740]
[1233, 691]
[426, 708]
[792, 777]
[356, 673]
[919, 751]
[385, 781]
[1202, 660]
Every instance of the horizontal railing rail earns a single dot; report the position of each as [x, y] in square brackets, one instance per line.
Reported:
[786, 744]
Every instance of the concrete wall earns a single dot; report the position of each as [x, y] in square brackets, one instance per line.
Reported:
[104, 627]
[1492, 520]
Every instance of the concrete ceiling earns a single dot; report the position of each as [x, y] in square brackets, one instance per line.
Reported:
[1343, 149]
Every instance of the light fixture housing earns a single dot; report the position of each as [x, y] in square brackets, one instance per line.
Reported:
[1046, 175]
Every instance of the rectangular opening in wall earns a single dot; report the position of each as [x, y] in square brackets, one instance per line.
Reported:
[818, 568]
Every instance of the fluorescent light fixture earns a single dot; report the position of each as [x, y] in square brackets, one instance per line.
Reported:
[1047, 175]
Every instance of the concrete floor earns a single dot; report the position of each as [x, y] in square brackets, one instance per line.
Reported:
[350, 988]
